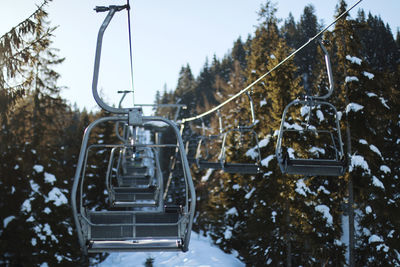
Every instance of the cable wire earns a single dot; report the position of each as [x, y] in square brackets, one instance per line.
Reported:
[128, 8]
[274, 68]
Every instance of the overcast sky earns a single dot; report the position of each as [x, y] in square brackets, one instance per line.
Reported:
[167, 34]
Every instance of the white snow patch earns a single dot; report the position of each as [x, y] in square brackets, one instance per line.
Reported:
[248, 195]
[354, 107]
[383, 101]
[26, 205]
[252, 153]
[339, 115]
[376, 150]
[323, 189]
[294, 126]
[264, 142]
[49, 178]
[359, 161]
[317, 150]
[263, 102]
[385, 169]
[320, 115]
[228, 232]
[273, 216]
[368, 75]
[57, 196]
[301, 188]
[363, 141]
[35, 187]
[47, 210]
[38, 168]
[207, 175]
[290, 152]
[33, 241]
[7, 220]
[325, 212]
[236, 187]
[266, 161]
[304, 110]
[202, 253]
[374, 238]
[354, 60]
[232, 211]
[370, 94]
[351, 79]
[16, 167]
[368, 209]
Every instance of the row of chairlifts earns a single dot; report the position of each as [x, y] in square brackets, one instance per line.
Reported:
[325, 156]
[203, 159]
[138, 214]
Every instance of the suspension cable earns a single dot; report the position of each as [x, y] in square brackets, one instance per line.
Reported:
[128, 8]
[274, 68]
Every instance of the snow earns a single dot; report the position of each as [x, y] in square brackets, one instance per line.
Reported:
[301, 188]
[376, 150]
[264, 142]
[317, 150]
[252, 153]
[47, 210]
[273, 216]
[266, 161]
[376, 182]
[304, 110]
[38, 168]
[354, 60]
[363, 141]
[26, 205]
[16, 167]
[368, 210]
[326, 213]
[57, 196]
[49, 178]
[320, 115]
[248, 195]
[354, 107]
[383, 101]
[368, 75]
[207, 175]
[359, 161]
[263, 102]
[385, 169]
[351, 79]
[202, 253]
[374, 238]
[293, 126]
[345, 235]
[236, 187]
[228, 232]
[7, 220]
[232, 211]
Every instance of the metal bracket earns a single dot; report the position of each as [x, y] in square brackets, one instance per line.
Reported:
[135, 116]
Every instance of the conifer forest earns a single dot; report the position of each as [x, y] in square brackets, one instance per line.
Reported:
[266, 217]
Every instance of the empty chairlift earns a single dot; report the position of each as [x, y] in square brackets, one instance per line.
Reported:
[127, 221]
[312, 147]
[245, 138]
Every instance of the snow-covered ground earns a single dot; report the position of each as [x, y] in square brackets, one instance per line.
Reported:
[202, 253]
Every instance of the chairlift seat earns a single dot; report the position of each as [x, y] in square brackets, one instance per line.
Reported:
[241, 168]
[134, 181]
[134, 196]
[313, 167]
[204, 164]
[129, 231]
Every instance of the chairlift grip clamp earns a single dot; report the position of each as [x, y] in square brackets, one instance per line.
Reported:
[135, 116]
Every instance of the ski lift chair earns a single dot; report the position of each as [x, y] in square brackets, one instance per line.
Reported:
[203, 156]
[129, 229]
[243, 130]
[311, 166]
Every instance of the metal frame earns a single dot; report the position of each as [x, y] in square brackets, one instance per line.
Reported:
[333, 167]
[130, 117]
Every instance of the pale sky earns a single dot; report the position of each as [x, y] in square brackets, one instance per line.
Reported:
[167, 34]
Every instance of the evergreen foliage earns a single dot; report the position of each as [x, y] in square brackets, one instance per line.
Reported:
[269, 219]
